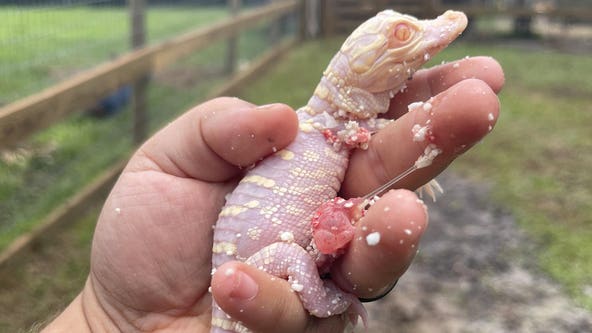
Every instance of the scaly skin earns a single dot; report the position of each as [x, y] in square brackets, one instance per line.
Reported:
[266, 221]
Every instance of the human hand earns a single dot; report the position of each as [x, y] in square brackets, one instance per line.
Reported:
[151, 254]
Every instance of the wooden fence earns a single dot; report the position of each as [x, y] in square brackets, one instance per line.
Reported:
[342, 16]
[29, 115]
[25, 117]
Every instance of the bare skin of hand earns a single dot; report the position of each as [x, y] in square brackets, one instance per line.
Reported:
[151, 252]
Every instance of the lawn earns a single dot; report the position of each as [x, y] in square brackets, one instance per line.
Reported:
[537, 156]
[42, 45]
[36, 288]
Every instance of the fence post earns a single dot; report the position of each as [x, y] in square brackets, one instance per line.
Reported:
[302, 24]
[231, 49]
[432, 8]
[523, 21]
[138, 40]
[311, 19]
[328, 17]
[274, 28]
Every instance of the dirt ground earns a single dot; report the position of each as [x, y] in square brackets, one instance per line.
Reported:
[475, 272]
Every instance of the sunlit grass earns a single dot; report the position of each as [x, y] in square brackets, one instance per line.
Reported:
[42, 45]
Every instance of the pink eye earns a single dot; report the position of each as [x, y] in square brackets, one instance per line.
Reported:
[402, 32]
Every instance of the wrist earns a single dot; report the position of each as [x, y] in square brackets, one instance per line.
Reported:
[84, 314]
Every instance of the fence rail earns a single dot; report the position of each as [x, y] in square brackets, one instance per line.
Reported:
[341, 16]
[22, 118]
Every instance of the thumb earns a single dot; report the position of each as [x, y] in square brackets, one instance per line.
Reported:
[264, 303]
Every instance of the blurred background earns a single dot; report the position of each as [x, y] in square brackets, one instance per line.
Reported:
[83, 82]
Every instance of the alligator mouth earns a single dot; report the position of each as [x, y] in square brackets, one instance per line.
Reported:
[444, 29]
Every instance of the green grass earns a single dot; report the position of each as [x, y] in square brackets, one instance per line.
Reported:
[538, 155]
[42, 45]
[42, 284]
[536, 159]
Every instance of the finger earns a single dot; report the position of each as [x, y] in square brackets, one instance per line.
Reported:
[264, 303]
[212, 141]
[384, 245]
[430, 82]
[459, 117]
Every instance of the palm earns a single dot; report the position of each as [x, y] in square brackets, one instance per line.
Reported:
[152, 247]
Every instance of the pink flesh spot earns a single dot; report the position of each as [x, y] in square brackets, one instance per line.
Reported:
[333, 224]
[361, 137]
[354, 139]
[330, 136]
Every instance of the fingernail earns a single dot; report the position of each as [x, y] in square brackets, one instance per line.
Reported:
[266, 106]
[243, 286]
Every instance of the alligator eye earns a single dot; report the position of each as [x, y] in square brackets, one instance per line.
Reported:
[402, 32]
